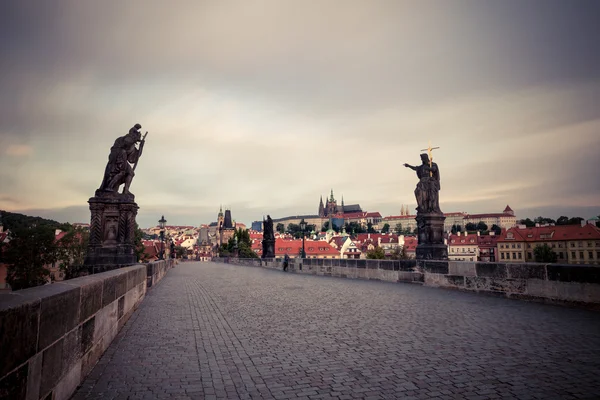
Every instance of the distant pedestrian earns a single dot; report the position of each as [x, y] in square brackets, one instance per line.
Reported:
[286, 261]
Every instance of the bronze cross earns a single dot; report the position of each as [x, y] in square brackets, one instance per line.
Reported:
[430, 156]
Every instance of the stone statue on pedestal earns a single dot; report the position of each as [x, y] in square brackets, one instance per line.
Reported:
[430, 219]
[268, 241]
[112, 226]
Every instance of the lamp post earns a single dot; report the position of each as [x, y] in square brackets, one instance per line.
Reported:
[303, 227]
[161, 223]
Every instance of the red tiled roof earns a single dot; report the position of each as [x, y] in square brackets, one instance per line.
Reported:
[463, 240]
[410, 243]
[551, 233]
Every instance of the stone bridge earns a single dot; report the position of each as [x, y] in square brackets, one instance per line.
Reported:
[214, 330]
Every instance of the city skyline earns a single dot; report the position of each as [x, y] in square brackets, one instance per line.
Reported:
[264, 108]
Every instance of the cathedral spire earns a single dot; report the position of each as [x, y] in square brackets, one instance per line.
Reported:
[331, 199]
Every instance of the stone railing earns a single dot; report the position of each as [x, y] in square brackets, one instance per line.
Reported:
[51, 336]
[554, 283]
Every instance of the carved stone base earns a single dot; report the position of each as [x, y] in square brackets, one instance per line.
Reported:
[112, 230]
[431, 237]
[268, 248]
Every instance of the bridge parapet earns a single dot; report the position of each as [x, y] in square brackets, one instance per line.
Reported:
[51, 336]
[552, 283]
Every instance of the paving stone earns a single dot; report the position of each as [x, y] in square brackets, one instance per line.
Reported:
[211, 330]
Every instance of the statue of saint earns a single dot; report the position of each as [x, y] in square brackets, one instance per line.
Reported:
[122, 154]
[268, 228]
[427, 191]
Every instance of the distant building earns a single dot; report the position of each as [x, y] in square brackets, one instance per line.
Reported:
[226, 227]
[505, 219]
[331, 207]
[257, 226]
[463, 247]
[573, 244]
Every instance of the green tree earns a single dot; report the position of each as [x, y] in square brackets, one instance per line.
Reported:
[543, 220]
[354, 228]
[376, 254]
[470, 227]
[575, 221]
[482, 226]
[31, 249]
[527, 222]
[544, 254]
[280, 228]
[139, 245]
[180, 252]
[400, 253]
[562, 220]
[244, 244]
[71, 251]
[370, 228]
[496, 229]
[398, 229]
[386, 228]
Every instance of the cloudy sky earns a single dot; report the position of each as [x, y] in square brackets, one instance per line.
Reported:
[263, 106]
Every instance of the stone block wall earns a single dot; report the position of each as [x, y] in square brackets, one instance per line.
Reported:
[52, 336]
[156, 270]
[553, 283]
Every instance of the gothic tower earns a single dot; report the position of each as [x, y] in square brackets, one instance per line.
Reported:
[321, 208]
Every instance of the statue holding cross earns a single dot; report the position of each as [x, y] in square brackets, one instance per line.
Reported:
[428, 187]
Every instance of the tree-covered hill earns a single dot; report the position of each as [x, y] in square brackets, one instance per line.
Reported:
[15, 221]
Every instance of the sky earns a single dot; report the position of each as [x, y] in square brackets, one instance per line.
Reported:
[264, 106]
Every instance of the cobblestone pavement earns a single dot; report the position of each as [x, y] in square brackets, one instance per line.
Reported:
[219, 331]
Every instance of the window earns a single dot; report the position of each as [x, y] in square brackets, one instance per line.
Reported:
[514, 255]
[529, 256]
[572, 244]
[513, 245]
[581, 255]
[573, 255]
[560, 245]
[590, 255]
[519, 255]
[502, 256]
[598, 255]
[519, 246]
[580, 244]
[553, 245]
[561, 255]
[589, 244]
[528, 245]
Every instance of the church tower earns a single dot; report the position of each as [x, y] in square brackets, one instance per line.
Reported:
[331, 205]
[220, 218]
[321, 208]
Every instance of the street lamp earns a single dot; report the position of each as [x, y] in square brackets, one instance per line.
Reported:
[303, 227]
[161, 223]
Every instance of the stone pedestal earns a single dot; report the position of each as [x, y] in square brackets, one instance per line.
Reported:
[431, 237]
[112, 229]
[268, 248]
